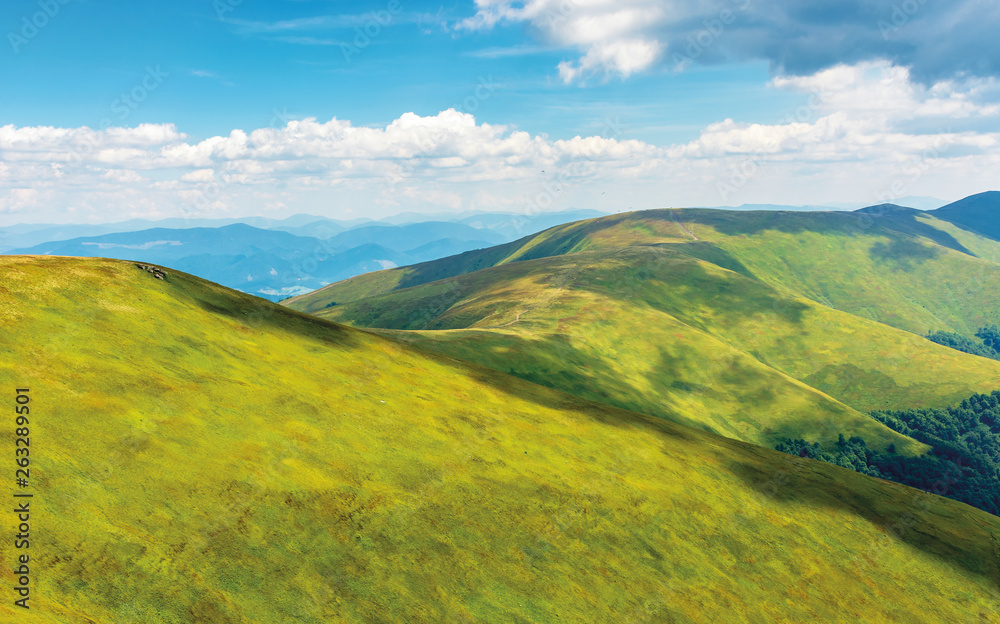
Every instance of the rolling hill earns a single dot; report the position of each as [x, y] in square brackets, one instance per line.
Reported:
[906, 269]
[755, 326]
[200, 455]
[977, 213]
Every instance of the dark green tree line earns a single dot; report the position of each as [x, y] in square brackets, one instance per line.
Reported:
[964, 463]
[961, 343]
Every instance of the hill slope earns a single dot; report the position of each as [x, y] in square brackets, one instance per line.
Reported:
[203, 456]
[978, 213]
[904, 270]
[618, 311]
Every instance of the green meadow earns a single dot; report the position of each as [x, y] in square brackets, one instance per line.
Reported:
[200, 455]
[768, 326]
[910, 271]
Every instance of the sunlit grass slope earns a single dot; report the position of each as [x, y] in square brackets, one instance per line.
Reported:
[203, 456]
[910, 271]
[904, 271]
[653, 330]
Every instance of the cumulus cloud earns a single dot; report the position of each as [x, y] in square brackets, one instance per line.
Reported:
[938, 40]
[18, 199]
[855, 110]
[860, 129]
[199, 175]
[450, 140]
[126, 176]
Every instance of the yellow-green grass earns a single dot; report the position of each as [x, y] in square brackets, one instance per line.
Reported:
[378, 282]
[199, 455]
[905, 281]
[912, 272]
[554, 241]
[979, 245]
[905, 270]
[653, 330]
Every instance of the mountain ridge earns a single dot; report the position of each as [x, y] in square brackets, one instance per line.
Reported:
[858, 340]
[978, 213]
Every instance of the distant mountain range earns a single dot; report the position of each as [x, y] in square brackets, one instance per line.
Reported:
[279, 258]
[918, 202]
[509, 225]
[31, 234]
[275, 259]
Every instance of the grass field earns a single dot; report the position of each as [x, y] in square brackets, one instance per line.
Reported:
[884, 270]
[652, 329]
[913, 272]
[203, 456]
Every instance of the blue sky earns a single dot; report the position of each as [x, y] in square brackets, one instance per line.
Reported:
[674, 103]
[237, 70]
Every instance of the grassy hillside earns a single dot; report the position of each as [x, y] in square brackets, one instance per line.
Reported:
[977, 213]
[651, 329]
[203, 456]
[901, 271]
[979, 245]
[906, 270]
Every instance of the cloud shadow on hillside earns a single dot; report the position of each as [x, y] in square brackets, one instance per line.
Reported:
[651, 278]
[254, 312]
[868, 222]
[677, 272]
[906, 221]
[709, 252]
[682, 374]
[780, 478]
[553, 374]
[866, 497]
[903, 252]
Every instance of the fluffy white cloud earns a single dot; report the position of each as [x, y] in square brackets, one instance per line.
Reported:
[616, 36]
[122, 176]
[938, 40]
[860, 130]
[886, 91]
[18, 199]
[871, 111]
[199, 175]
[622, 57]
